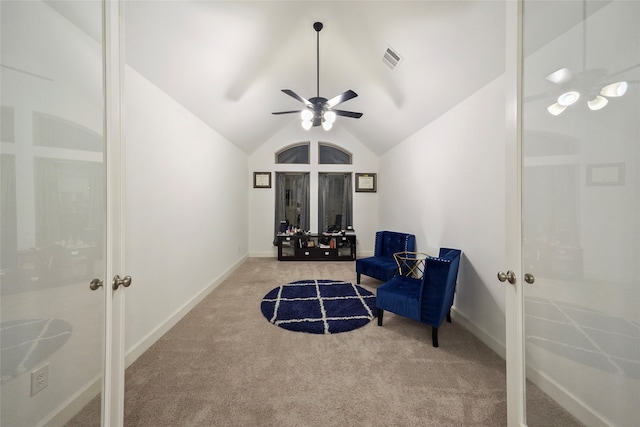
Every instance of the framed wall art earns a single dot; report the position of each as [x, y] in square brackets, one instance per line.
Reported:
[262, 180]
[366, 182]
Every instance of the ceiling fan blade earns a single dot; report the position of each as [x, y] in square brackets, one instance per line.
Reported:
[287, 112]
[347, 114]
[298, 97]
[345, 96]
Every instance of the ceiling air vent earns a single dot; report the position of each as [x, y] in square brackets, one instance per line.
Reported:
[391, 58]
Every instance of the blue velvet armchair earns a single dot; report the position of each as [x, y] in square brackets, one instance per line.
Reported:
[427, 299]
[382, 265]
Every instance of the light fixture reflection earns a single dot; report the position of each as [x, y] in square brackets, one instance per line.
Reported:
[597, 103]
[568, 98]
[614, 89]
[560, 76]
[556, 109]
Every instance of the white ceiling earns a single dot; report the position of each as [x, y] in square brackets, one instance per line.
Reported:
[227, 61]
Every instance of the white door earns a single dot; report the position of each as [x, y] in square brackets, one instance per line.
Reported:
[59, 214]
[580, 207]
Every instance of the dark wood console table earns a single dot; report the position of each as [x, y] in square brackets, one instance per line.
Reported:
[316, 247]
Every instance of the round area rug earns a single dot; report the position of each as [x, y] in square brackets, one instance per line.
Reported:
[319, 306]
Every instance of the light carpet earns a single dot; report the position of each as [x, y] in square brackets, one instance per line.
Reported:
[224, 365]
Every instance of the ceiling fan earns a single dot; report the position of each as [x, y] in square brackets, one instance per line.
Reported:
[319, 110]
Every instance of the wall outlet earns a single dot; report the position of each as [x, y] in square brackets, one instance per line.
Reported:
[39, 379]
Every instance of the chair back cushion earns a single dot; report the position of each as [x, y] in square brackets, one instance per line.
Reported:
[389, 242]
[439, 285]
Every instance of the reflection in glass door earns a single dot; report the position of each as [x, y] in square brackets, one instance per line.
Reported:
[52, 210]
[581, 206]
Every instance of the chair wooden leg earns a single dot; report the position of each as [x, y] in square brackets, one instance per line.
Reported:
[380, 313]
[434, 336]
[449, 316]
[358, 278]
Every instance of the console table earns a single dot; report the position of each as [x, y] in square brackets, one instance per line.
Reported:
[316, 247]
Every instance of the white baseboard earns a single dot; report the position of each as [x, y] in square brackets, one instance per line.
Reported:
[498, 347]
[74, 404]
[143, 345]
[555, 391]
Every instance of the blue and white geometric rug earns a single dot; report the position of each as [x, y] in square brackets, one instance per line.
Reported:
[319, 306]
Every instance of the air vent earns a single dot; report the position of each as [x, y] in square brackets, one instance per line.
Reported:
[391, 58]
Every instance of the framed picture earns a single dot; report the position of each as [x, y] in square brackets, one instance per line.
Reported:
[262, 180]
[366, 182]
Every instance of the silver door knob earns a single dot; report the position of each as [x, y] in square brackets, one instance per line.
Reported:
[117, 282]
[94, 284]
[529, 278]
[508, 276]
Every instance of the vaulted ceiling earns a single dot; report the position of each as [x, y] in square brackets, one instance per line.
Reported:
[227, 61]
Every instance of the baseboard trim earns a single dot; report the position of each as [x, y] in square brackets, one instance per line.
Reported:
[147, 341]
[555, 391]
[74, 404]
[498, 347]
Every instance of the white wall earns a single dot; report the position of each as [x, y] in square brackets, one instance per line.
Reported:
[445, 184]
[262, 201]
[186, 210]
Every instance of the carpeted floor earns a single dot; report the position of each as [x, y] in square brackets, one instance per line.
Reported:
[224, 364]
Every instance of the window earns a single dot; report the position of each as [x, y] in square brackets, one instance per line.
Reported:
[298, 153]
[332, 155]
[335, 201]
[292, 200]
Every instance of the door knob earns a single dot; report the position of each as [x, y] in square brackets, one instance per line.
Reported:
[94, 284]
[509, 276]
[117, 282]
[529, 278]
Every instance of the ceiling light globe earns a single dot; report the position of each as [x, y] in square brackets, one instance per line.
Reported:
[306, 115]
[306, 124]
[568, 98]
[330, 116]
[615, 89]
[327, 125]
[597, 103]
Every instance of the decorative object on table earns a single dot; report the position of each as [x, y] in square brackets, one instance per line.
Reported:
[262, 180]
[423, 290]
[319, 306]
[382, 265]
[366, 183]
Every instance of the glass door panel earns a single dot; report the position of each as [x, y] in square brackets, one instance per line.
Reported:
[581, 205]
[52, 210]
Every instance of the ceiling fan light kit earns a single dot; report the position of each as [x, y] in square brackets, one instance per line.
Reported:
[597, 103]
[319, 110]
[615, 89]
[589, 82]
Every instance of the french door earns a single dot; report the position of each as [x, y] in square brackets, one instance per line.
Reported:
[574, 309]
[61, 212]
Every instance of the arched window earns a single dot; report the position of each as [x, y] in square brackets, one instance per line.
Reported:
[297, 153]
[329, 154]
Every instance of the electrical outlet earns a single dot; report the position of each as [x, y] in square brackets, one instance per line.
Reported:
[39, 379]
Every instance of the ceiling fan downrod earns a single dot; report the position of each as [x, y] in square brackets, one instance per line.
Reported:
[318, 27]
